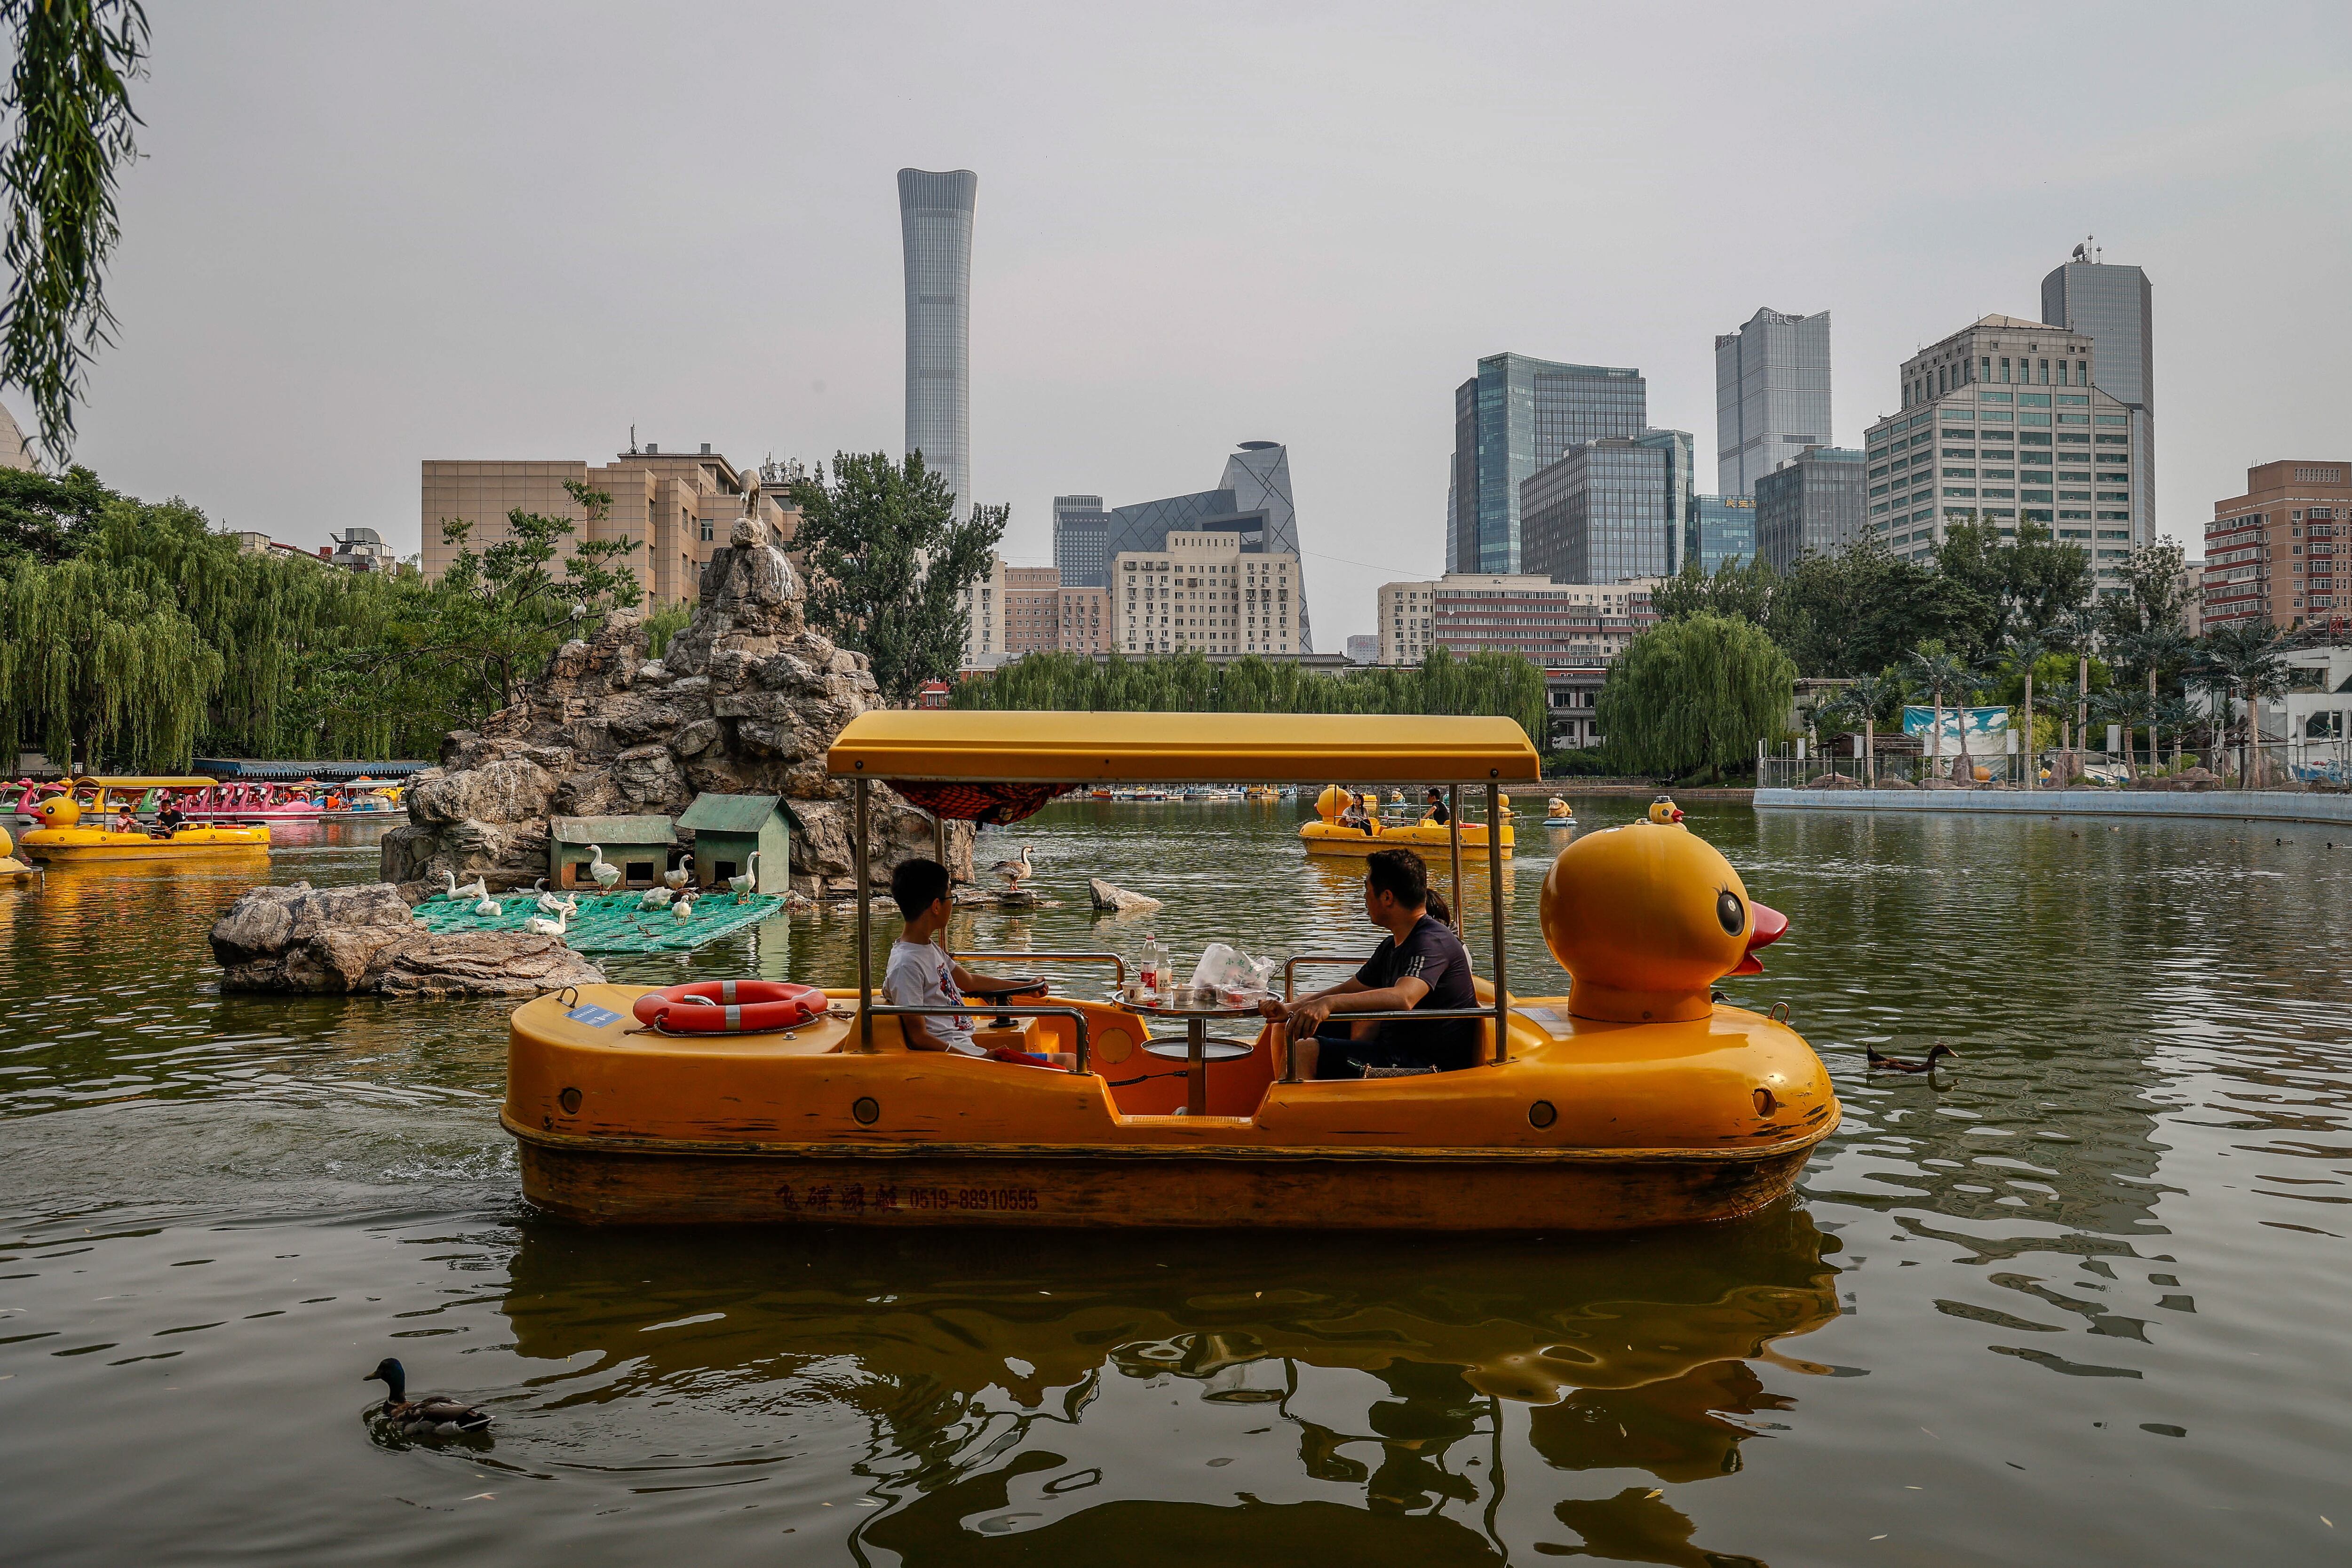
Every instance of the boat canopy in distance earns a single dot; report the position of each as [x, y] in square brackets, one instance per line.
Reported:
[981, 746]
[119, 781]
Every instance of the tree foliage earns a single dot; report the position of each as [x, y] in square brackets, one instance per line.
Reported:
[44, 516]
[69, 108]
[1693, 696]
[889, 563]
[1503, 685]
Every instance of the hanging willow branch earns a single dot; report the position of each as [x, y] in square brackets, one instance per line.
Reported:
[69, 122]
[97, 660]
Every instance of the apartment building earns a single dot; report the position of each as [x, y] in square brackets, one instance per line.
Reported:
[983, 611]
[1203, 592]
[680, 508]
[1033, 610]
[1085, 621]
[2270, 554]
[1550, 624]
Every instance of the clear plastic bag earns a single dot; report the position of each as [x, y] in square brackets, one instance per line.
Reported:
[1220, 966]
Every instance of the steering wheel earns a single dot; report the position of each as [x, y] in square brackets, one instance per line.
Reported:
[1004, 991]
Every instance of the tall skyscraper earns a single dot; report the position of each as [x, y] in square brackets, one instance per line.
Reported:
[1722, 528]
[935, 221]
[1811, 503]
[1082, 541]
[1515, 416]
[1682, 489]
[1598, 515]
[1252, 502]
[2115, 308]
[1772, 395]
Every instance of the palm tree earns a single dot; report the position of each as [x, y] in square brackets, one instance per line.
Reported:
[2124, 706]
[2245, 655]
[2026, 650]
[2172, 714]
[1941, 672]
[1865, 698]
[2059, 700]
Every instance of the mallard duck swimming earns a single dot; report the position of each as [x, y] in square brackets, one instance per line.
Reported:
[1881, 1063]
[432, 1416]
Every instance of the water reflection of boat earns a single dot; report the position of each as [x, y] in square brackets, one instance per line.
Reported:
[1390, 1368]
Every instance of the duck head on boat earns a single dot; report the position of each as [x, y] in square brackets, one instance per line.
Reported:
[1635, 1100]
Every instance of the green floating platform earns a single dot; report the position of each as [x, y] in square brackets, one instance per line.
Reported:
[613, 924]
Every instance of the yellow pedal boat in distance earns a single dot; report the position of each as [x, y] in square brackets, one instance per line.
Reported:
[70, 830]
[1328, 835]
[1635, 1100]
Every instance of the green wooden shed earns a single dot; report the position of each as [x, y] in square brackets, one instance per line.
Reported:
[640, 846]
[730, 829]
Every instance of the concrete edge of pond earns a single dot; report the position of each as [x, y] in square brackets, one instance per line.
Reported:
[2240, 805]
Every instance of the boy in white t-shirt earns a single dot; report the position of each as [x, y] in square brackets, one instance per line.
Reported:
[920, 974]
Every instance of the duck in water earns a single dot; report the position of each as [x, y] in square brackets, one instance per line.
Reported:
[429, 1416]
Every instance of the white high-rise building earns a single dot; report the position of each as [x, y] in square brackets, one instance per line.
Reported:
[985, 626]
[2004, 424]
[1772, 396]
[1202, 592]
[935, 223]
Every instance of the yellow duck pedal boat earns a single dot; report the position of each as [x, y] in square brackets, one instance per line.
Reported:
[1328, 835]
[1636, 1100]
[69, 831]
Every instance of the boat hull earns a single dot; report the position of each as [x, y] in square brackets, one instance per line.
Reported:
[1424, 839]
[96, 844]
[603, 1180]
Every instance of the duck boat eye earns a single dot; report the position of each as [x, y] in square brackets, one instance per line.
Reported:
[1728, 910]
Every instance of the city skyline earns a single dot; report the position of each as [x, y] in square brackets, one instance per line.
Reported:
[296, 336]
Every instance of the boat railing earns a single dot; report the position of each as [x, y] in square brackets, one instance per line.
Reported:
[1113, 959]
[1077, 1020]
[1290, 970]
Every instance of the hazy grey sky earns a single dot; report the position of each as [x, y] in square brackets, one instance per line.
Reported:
[366, 236]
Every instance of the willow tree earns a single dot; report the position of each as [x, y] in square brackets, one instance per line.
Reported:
[99, 662]
[1694, 695]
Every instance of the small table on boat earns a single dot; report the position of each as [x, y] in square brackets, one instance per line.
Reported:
[1196, 1049]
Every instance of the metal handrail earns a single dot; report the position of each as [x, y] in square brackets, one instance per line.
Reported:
[892, 1010]
[1114, 959]
[1290, 970]
[1409, 1015]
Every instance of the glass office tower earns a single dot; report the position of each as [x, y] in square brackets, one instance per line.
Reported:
[1598, 515]
[1516, 415]
[935, 222]
[1722, 528]
[1772, 395]
[2115, 308]
[1682, 487]
[1082, 541]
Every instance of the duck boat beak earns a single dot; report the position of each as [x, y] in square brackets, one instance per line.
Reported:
[1770, 926]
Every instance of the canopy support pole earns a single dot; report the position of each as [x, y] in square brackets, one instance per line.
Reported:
[940, 841]
[1494, 916]
[1453, 842]
[859, 794]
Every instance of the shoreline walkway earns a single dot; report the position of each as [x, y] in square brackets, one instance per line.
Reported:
[2235, 805]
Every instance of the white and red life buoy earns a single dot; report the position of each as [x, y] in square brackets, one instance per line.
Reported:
[730, 1007]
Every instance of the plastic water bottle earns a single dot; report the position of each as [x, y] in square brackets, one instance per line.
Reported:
[1153, 966]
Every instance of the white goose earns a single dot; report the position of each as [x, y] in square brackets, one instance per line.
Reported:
[653, 898]
[606, 873]
[540, 925]
[676, 880]
[477, 888]
[488, 907]
[683, 909]
[739, 886]
[547, 903]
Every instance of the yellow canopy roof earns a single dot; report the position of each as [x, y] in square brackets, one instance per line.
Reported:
[982, 745]
[144, 781]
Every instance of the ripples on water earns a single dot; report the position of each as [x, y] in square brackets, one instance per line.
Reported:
[2080, 1298]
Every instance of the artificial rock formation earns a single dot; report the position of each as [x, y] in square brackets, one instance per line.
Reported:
[746, 701]
[365, 941]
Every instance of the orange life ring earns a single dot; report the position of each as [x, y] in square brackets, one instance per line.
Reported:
[730, 1007]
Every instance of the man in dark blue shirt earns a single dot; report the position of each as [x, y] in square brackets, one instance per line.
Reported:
[1420, 960]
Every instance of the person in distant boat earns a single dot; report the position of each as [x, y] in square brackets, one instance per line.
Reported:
[170, 820]
[126, 821]
[1420, 960]
[920, 974]
[1355, 816]
[1437, 814]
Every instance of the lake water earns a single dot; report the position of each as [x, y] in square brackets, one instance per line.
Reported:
[2081, 1299]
